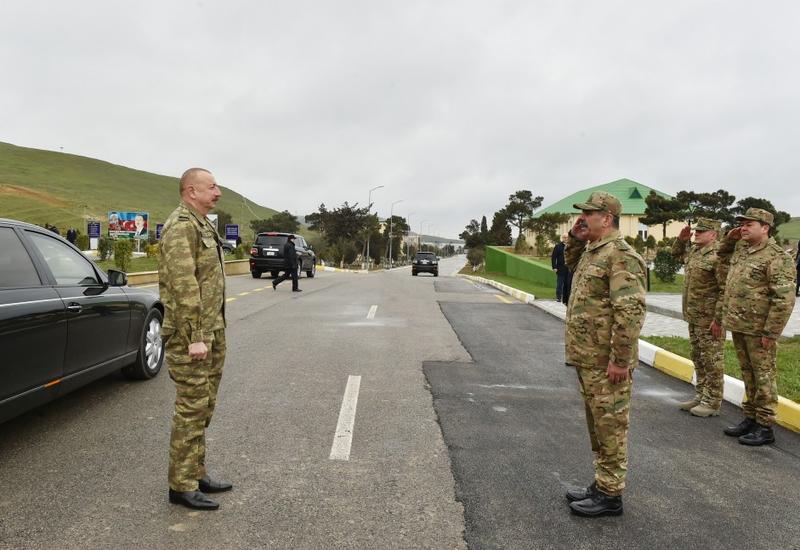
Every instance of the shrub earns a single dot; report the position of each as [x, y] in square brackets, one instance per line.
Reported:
[665, 266]
[475, 257]
[521, 246]
[82, 242]
[123, 253]
[651, 242]
[152, 251]
[105, 248]
[240, 251]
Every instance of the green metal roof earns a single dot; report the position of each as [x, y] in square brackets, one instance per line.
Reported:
[630, 193]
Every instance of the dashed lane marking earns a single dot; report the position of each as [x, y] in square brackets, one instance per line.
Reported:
[230, 299]
[372, 311]
[343, 438]
[244, 293]
[503, 299]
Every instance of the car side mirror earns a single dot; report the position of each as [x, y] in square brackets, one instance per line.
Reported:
[117, 278]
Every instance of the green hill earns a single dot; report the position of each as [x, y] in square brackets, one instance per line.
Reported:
[790, 230]
[41, 187]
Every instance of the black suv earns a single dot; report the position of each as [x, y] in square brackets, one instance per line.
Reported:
[425, 262]
[267, 255]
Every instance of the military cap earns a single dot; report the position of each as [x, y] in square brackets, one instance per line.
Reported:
[759, 215]
[600, 200]
[707, 224]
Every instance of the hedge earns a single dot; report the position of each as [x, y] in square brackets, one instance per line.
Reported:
[499, 260]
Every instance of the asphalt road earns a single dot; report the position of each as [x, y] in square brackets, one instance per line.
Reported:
[475, 448]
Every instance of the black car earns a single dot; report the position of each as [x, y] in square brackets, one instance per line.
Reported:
[425, 262]
[64, 322]
[266, 255]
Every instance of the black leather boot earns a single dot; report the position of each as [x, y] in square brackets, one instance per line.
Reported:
[192, 499]
[574, 495]
[762, 435]
[744, 427]
[599, 504]
[208, 485]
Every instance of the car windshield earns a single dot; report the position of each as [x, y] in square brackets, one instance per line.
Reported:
[271, 240]
[425, 255]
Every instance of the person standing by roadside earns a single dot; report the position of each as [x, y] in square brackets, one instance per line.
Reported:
[290, 266]
[192, 286]
[756, 306]
[703, 286]
[604, 317]
[563, 274]
[797, 267]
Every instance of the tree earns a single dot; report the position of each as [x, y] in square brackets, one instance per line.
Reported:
[472, 235]
[547, 224]
[716, 205]
[753, 202]
[396, 228]
[223, 219]
[484, 230]
[520, 207]
[283, 222]
[499, 232]
[661, 210]
[344, 229]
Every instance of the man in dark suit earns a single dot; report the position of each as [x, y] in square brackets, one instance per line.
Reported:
[563, 276]
[290, 263]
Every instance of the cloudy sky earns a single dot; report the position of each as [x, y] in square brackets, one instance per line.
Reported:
[452, 106]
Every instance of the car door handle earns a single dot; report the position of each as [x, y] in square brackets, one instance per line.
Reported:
[74, 307]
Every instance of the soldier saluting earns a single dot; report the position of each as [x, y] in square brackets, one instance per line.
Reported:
[604, 317]
[702, 304]
[759, 298]
[192, 286]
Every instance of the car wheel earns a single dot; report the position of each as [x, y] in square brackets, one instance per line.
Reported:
[313, 271]
[151, 349]
[256, 274]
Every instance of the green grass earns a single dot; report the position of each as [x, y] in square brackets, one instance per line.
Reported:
[41, 187]
[137, 264]
[790, 229]
[788, 360]
[675, 287]
[541, 292]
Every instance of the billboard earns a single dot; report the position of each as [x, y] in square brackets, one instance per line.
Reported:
[128, 225]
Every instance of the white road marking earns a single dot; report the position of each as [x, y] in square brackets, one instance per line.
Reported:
[503, 299]
[372, 311]
[343, 438]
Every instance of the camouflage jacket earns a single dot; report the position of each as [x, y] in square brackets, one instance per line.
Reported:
[704, 283]
[606, 305]
[191, 275]
[759, 291]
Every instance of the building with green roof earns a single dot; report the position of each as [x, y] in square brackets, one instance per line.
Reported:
[631, 195]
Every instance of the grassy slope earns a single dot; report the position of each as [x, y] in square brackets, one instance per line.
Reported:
[788, 360]
[48, 187]
[790, 230]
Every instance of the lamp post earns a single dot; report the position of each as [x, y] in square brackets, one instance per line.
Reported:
[408, 243]
[369, 207]
[391, 227]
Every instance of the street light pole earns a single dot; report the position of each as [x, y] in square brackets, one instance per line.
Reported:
[391, 227]
[408, 243]
[369, 207]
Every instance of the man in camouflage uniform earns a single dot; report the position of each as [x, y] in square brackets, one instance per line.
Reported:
[192, 286]
[759, 298]
[604, 317]
[702, 289]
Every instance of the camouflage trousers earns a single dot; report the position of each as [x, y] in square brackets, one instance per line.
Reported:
[759, 374]
[607, 416]
[196, 387]
[709, 366]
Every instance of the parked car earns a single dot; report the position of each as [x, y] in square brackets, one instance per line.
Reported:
[64, 322]
[227, 247]
[425, 262]
[266, 255]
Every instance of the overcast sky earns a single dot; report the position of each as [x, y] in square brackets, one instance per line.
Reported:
[452, 106]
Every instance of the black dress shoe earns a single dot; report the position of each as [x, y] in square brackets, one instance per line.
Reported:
[208, 485]
[574, 495]
[192, 499]
[599, 504]
[762, 435]
[744, 427]
[296, 290]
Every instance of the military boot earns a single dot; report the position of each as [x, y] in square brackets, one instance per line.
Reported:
[744, 427]
[762, 435]
[599, 504]
[574, 495]
[702, 410]
[689, 405]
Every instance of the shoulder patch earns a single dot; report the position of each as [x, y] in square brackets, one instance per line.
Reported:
[621, 244]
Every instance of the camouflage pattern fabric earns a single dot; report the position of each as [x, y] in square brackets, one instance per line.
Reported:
[759, 375]
[197, 385]
[759, 291]
[606, 306]
[607, 417]
[704, 282]
[192, 287]
[709, 365]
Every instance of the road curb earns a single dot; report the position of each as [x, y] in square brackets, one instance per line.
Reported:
[787, 414]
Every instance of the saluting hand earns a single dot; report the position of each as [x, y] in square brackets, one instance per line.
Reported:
[735, 233]
[580, 230]
[198, 351]
[616, 374]
[686, 233]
